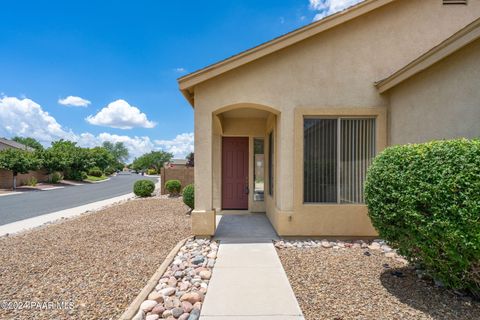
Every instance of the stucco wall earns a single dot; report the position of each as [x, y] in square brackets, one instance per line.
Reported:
[442, 102]
[335, 69]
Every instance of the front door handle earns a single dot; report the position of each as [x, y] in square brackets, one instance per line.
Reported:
[247, 191]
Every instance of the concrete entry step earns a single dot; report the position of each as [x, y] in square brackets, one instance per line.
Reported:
[251, 227]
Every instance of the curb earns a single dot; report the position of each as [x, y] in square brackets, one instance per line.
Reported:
[132, 309]
[87, 181]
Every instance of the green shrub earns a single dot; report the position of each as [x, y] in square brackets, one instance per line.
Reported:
[173, 187]
[95, 172]
[109, 171]
[32, 182]
[75, 175]
[56, 177]
[189, 195]
[143, 188]
[424, 199]
[151, 172]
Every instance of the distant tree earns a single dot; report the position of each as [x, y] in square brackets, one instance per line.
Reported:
[18, 161]
[153, 160]
[101, 157]
[29, 142]
[118, 151]
[190, 159]
[67, 157]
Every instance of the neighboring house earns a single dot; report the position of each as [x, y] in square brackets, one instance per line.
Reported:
[176, 163]
[320, 102]
[6, 177]
[5, 144]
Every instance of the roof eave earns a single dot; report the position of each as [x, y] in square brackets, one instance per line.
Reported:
[190, 80]
[449, 46]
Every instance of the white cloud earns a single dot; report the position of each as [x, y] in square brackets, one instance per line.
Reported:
[180, 70]
[24, 117]
[120, 114]
[180, 146]
[327, 7]
[136, 145]
[74, 101]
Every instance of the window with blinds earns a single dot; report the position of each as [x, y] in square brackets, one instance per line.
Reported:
[337, 154]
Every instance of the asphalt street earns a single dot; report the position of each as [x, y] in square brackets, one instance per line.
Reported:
[34, 203]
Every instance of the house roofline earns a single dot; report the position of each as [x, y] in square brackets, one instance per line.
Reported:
[189, 81]
[449, 46]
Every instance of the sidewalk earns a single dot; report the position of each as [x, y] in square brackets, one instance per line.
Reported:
[248, 280]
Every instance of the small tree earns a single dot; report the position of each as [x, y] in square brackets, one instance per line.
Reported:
[153, 160]
[18, 161]
[29, 142]
[190, 159]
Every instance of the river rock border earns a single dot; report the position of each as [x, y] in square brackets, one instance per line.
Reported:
[375, 245]
[180, 292]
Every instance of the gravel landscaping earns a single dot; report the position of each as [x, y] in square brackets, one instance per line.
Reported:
[94, 265]
[341, 281]
[180, 292]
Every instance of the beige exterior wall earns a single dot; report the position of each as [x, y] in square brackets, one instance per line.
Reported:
[333, 70]
[442, 102]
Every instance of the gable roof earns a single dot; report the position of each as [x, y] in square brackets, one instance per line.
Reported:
[449, 46]
[189, 81]
[15, 144]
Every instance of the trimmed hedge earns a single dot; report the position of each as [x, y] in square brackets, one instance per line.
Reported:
[189, 195]
[151, 172]
[95, 172]
[173, 187]
[424, 199]
[143, 188]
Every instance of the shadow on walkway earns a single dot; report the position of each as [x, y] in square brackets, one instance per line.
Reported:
[245, 228]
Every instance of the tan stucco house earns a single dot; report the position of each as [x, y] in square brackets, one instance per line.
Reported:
[290, 127]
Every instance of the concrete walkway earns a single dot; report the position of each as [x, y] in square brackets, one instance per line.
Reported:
[248, 280]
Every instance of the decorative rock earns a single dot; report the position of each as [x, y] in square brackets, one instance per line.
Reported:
[187, 306]
[212, 255]
[156, 296]
[205, 275]
[139, 316]
[390, 254]
[184, 316]
[374, 246]
[198, 260]
[194, 315]
[167, 313]
[177, 312]
[197, 305]
[152, 317]
[167, 291]
[192, 297]
[172, 302]
[326, 244]
[148, 305]
[158, 309]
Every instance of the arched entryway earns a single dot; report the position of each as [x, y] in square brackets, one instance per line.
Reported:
[242, 138]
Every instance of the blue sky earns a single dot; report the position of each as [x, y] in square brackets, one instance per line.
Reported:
[92, 71]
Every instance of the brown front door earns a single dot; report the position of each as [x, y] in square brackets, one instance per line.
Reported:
[235, 173]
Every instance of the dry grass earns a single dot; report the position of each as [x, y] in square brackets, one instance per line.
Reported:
[346, 284]
[98, 261]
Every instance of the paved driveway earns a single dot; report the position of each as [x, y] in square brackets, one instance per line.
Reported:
[34, 203]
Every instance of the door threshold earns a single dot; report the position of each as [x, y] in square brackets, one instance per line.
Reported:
[233, 211]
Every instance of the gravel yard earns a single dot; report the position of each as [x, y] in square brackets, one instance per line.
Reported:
[343, 284]
[98, 261]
